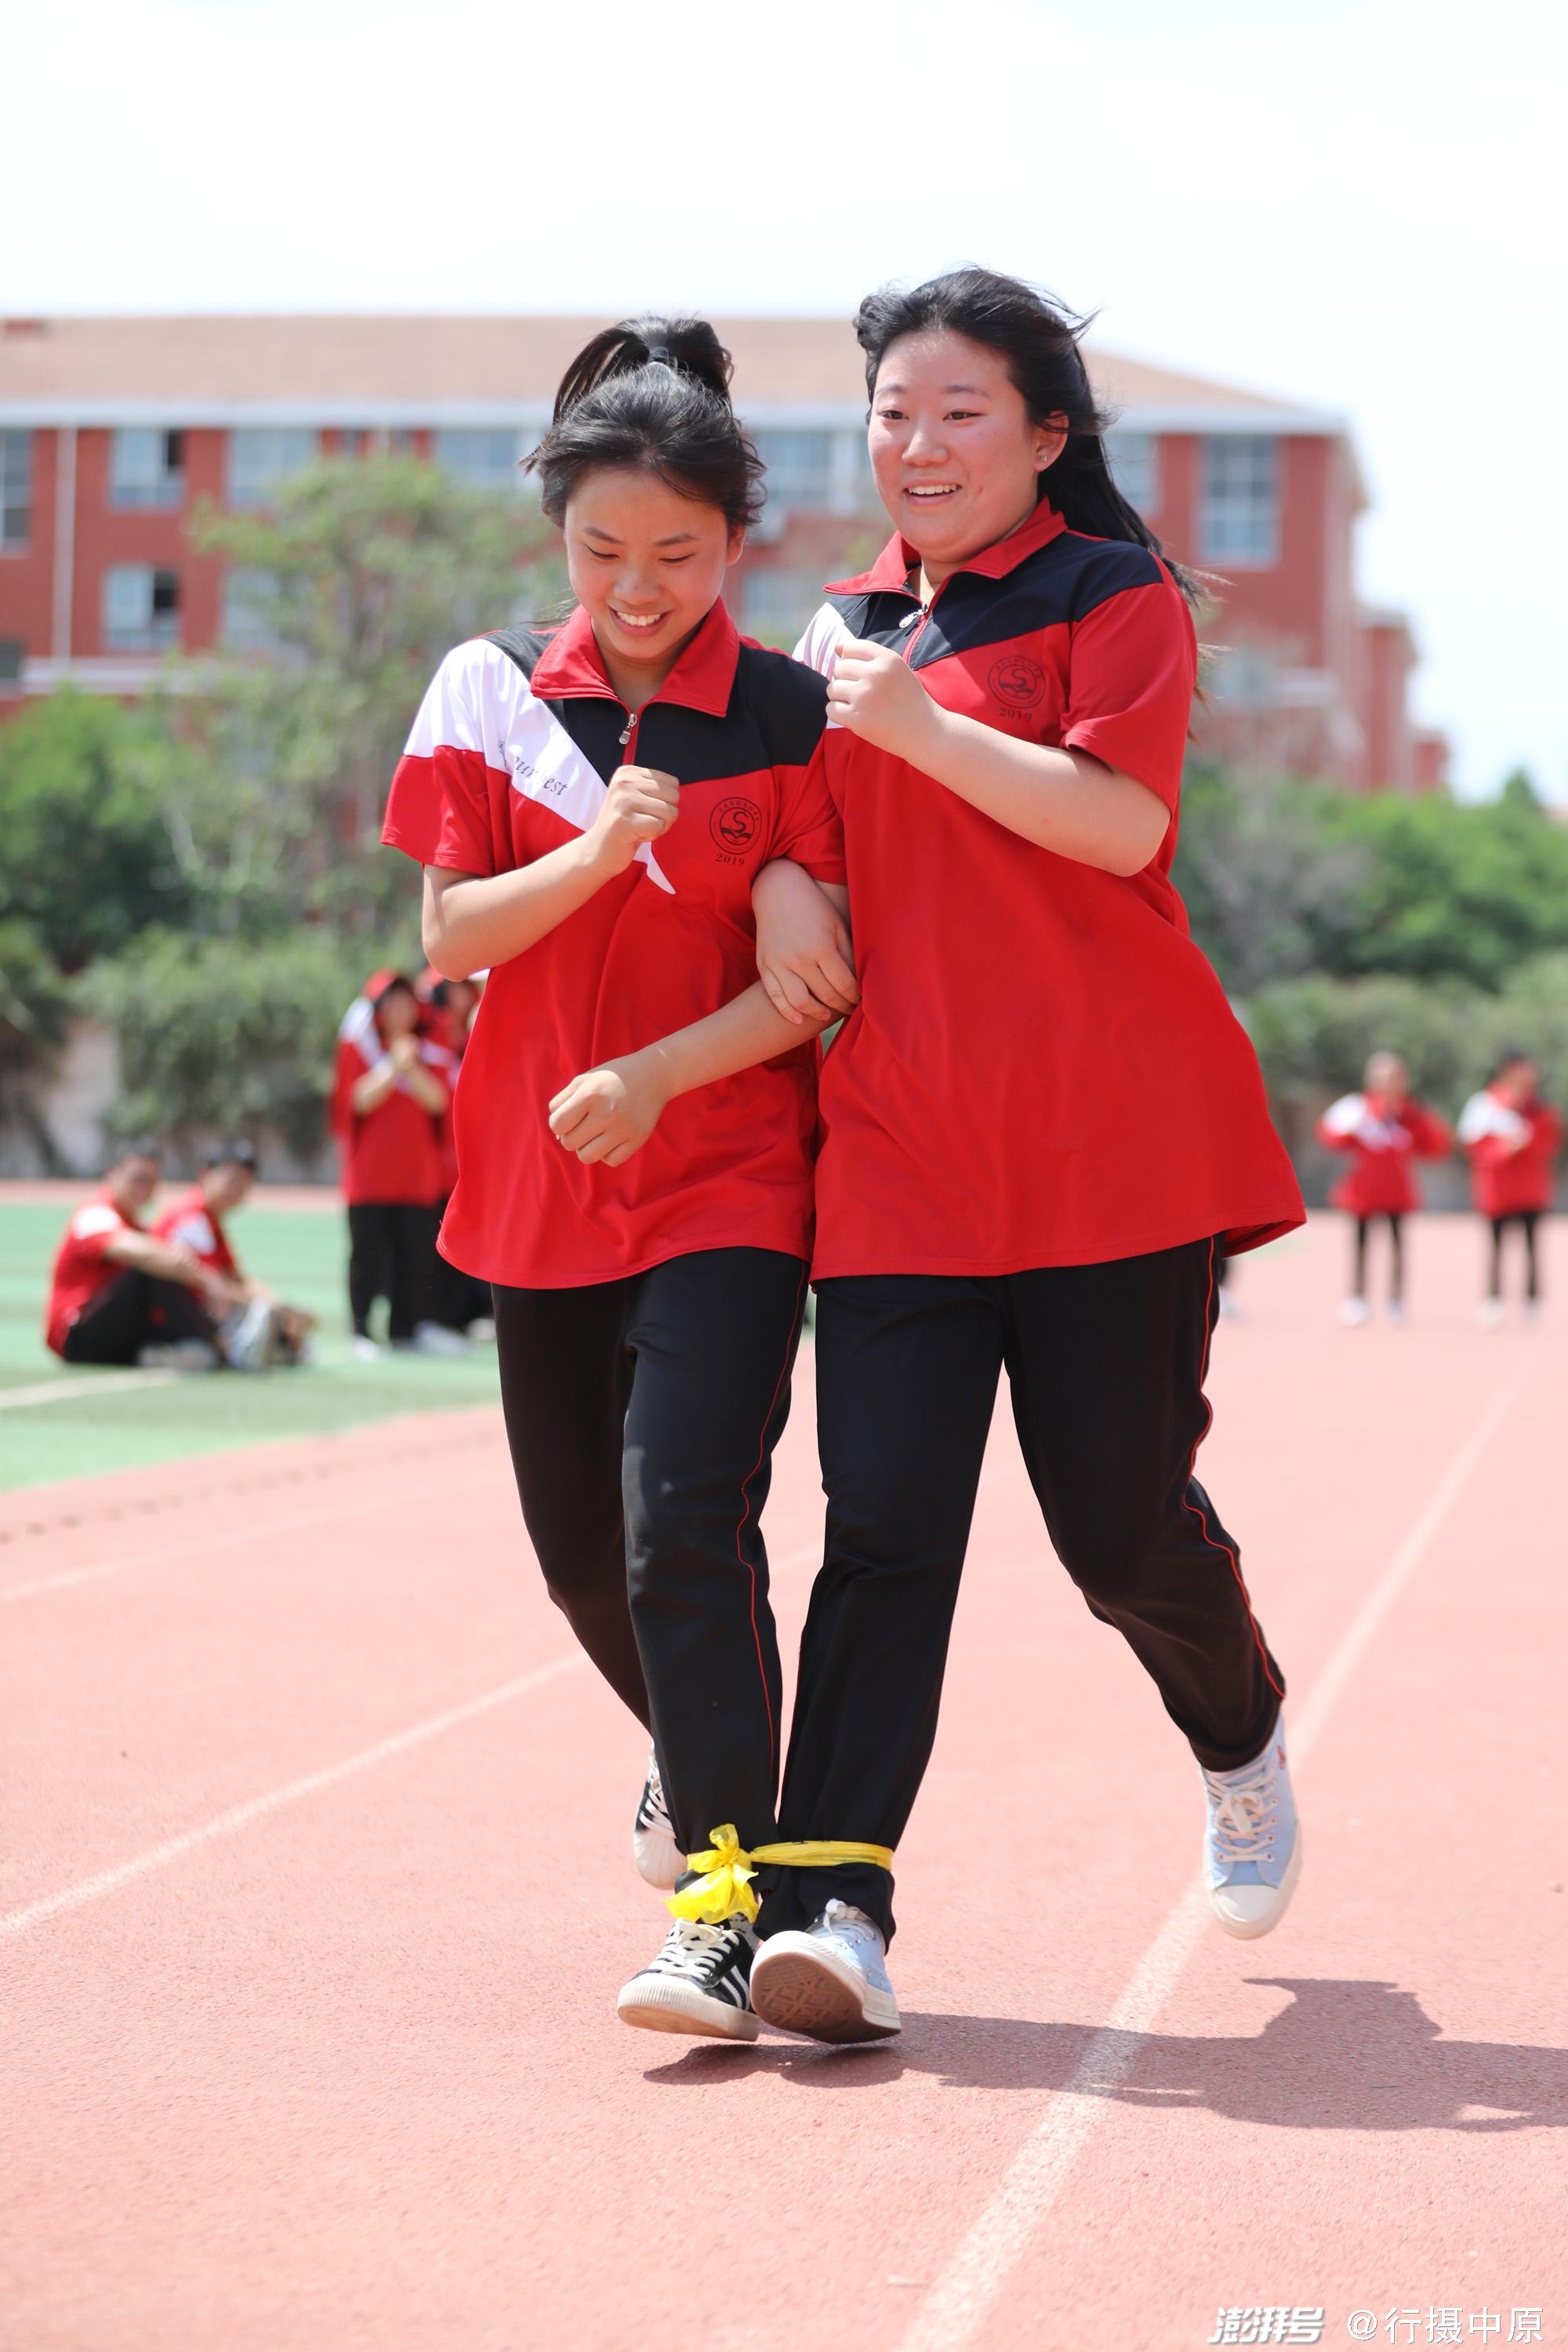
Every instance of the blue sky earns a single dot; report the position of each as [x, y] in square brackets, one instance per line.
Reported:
[1354, 204]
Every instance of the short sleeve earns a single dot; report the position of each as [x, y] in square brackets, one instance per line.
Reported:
[1130, 688]
[809, 831]
[93, 1228]
[439, 808]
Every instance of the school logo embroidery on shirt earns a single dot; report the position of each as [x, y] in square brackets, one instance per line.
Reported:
[1017, 681]
[735, 825]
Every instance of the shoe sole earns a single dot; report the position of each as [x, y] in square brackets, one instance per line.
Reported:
[807, 1995]
[656, 1858]
[659, 2006]
[1248, 1932]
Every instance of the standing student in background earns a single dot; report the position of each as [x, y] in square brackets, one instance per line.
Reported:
[193, 1221]
[1042, 1126]
[1513, 1139]
[635, 1123]
[390, 1104]
[1385, 1130]
[458, 1301]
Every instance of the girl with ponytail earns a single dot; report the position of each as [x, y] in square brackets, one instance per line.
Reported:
[634, 1122]
[1042, 1126]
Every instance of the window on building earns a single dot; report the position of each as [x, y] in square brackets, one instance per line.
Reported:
[801, 478]
[485, 459]
[141, 609]
[1135, 462]
[401, 443]
[1240, 520]
[12, 654]
[16, 487]
[262, 456]
[146, 467]
[776, 604]
[248, 621]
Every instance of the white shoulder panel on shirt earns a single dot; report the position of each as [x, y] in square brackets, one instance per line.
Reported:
[820, 646]
[97, 1218]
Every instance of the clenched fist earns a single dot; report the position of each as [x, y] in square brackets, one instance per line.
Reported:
[640, 803]
[875, 694]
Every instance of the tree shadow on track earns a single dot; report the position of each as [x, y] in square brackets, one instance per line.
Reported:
[1344, 2054]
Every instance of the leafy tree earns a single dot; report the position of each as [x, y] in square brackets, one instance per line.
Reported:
[1269, 890]
[220, 1036]
[1470, 892]
[357, 582]
[35, 1010]
[87, 859]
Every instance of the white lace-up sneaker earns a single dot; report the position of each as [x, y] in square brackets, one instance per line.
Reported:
[247, 1336]
[698, 1984]
[1252, 1851]
[831, 1982]
[654, 1849]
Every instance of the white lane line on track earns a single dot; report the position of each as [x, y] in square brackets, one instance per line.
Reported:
[292, 1792]
[257, 1809]
[99, 1384]
[971, 2284]
[234, 1539]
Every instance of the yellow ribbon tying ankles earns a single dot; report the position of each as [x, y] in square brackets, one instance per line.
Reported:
[728, 1870]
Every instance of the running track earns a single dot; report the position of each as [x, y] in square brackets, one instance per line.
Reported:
[316, 1897]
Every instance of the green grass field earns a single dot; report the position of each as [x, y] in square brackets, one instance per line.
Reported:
[299, 1253]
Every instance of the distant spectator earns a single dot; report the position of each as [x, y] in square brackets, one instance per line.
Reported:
[460, 1301]
[1385, 1129]
[193, 1221]
[119, 1295]
[390, 1106]
[1513, 1139]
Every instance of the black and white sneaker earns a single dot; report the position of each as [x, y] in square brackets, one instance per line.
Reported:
[653, 1850]
[700, 1983]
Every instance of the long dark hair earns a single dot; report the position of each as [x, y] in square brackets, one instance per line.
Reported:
[1038, 338]
[653, 395]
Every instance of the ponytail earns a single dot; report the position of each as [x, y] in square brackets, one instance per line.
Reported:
[1038, 338]
[652, 395]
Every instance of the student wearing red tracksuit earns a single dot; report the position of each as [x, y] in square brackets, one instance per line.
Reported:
[1512, 1139]
[590, 807]
[390, 1104]
[457, 1301]
[1040, 1128]
[1385, 1130]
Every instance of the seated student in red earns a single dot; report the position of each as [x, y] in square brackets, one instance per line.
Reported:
[1385, 1129]
[1512, 1139]
[120, 1295]
[390, 1106]
[590, 807]
[193, 1221]
[1041, 1127]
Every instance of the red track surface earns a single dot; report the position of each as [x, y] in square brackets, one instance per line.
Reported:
[318, 1896]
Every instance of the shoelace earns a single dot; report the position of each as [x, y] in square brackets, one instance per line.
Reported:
[690, 1949]
[1244, 1820]
[859, 1936]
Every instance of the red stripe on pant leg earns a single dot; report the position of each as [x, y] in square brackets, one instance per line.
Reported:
[1225, 1550]
[746, 1513]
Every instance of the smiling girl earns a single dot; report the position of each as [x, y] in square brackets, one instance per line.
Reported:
[590, 807]
[1042, 1126]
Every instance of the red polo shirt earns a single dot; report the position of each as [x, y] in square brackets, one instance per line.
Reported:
[1043, 1069]
[190, 1222]
[511, 757]
[1383, 1138]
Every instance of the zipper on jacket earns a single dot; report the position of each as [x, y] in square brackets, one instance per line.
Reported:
[918, 632]
[628, 737]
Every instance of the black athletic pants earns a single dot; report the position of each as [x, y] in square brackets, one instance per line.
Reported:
[642, 1416]
[136, 1311]
[392, 1256]
[1363, 1226]
[1528, 1221]
[1106, 1365]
